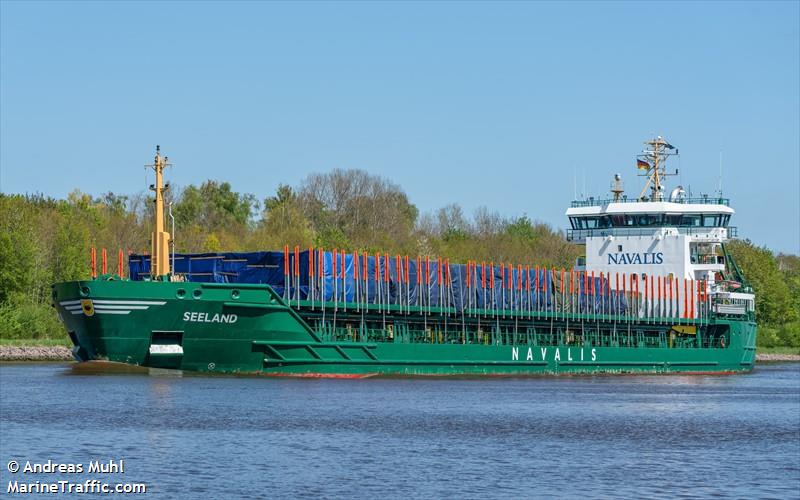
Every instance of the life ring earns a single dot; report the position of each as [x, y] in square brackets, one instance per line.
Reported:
[722, 342]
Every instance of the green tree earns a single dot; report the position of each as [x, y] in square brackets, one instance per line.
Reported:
[282, 222]
[213, 205]
[212, 208]
[760, 268]
[19, 272]
[352, 208]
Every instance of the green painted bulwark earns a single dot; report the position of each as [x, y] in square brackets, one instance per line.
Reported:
[249, 329]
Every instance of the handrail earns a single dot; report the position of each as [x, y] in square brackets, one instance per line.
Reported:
[579, 234]
[705, 200]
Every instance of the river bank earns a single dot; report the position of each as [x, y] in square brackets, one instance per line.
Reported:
[769, 357]
[62, 353]
[35, 353]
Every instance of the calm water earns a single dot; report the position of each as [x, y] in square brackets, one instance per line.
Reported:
[227, 437]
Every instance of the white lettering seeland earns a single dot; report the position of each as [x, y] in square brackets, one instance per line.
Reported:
[202, 317]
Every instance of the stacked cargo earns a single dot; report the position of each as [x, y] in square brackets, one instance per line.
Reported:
[423, 285]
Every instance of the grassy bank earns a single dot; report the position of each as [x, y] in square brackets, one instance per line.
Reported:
[65, 342]
[779, 350]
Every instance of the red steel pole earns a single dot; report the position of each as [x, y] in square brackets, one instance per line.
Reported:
[685, 299]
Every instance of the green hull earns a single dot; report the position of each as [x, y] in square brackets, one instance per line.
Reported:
[236, 328]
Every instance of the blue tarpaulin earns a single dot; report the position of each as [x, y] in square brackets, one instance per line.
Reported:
[533, 289]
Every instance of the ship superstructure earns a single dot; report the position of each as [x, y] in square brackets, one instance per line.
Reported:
[656, 292]
[654, 236]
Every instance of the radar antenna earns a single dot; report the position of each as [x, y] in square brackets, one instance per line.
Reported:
[653, 161]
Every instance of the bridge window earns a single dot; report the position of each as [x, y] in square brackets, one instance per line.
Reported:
[711, 220]
[654, 220]
[590, 222]
[617, 220]
[691, 220]
[650, 220]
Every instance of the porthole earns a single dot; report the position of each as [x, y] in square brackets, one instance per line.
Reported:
[85, 291]
[234, 294]
[181, 293]
[197, 293]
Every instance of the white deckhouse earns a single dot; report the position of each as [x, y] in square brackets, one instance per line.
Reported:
[653, 235]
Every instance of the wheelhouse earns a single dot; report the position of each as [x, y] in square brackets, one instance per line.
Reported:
[635, 220]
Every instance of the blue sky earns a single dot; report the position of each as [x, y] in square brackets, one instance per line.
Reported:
[481, 104]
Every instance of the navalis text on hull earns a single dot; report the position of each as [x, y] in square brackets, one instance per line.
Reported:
[656, 292]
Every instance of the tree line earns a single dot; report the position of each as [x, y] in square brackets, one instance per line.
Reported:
[45, 240]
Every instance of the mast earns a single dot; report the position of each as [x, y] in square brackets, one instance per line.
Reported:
[653, 161]
[159, 249]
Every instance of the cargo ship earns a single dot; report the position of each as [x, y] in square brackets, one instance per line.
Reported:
[656, 292]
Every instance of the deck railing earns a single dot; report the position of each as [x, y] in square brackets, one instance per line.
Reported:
[704, 200]
[580, 234]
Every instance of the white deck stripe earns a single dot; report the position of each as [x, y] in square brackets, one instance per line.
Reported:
[69, 302]
[129, 308]
[111, 312]
[131, 302]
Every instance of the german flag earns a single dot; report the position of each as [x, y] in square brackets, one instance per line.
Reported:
[642, 165]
